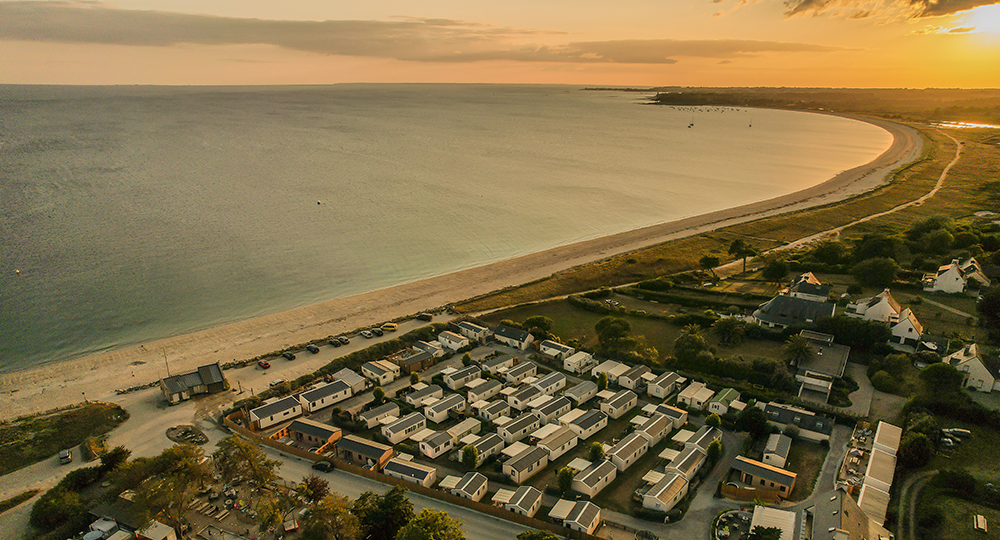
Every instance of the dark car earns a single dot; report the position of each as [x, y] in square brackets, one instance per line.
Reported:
[323, 466]
[263, 364]
[377, 331]
[343, 340]
[65, 456]
[288, 355]
[312, 348]
[425, 317]
[335, 342]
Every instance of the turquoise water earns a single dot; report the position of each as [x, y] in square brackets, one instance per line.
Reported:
[133, 213]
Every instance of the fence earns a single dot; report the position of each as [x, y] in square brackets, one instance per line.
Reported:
[749, 494]
[411, 486]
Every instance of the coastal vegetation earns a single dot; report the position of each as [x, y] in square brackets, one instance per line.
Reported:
[16, 500]
[30, 440]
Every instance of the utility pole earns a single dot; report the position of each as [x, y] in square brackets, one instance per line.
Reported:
[164, 351]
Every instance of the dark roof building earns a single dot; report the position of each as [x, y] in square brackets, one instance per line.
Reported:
[811, 425]
[206, 379]
[785, 311]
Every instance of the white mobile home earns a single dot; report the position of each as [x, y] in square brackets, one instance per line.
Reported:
[457, 379]
[619, 404]
[582, 392]
[519, 339]
[518, 428]
[628, 451]
[526, 464]
[404, 427]
[418, 397]
[452, 341]
[554, 350]
[275, 412]
[373, 417]
[438, 411]
[482, 390]
[563, 440]
[578, 362]
[436, 444]
[411, 472]
[589, 423]
[473, 331]
[594, 478]
[324, 396]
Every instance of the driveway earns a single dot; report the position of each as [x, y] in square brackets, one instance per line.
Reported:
[861, 399]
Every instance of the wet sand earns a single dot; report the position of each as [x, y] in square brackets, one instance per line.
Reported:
[98, 375]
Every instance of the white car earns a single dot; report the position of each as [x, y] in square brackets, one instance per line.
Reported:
[276, 382]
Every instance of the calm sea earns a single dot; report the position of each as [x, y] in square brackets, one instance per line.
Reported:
[133, 213]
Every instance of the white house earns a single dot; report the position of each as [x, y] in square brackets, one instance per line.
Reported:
[628, 451]
[526, 464]
[554, 350]
[588, 423]
[776, 450]
[563, 440]
[666, 493]
[619, 404]
[411, 471]
[436, 444]
[494, 410]
[404, 427]
[457, 379]
[520, 372]
[551, 383]
[452, 341]
[582, 392]
[356, 382]
[472, 486]
[275, 412]
[469, 426]
[954, 277]
[524, 395]
[380, 371]
[695, 396]
[324, 396]
[581, 516]
[578, 362]
[808, 287]
[721, 402]
[632, 378]
[482, 390]
[513, 337]
[373, 417]
[678, 416]
[525, 501]
[656, 428]
[486, 446]
[551, 409]
[473, 331]
[977, 375]
[688, 462]
[664, 384]
[419, 396]
[881, 307]
[495, 364]
[518, 428]
[438, 411]
[594, 478]
[433, 348]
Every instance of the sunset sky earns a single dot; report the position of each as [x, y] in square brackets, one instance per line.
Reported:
[856, 43]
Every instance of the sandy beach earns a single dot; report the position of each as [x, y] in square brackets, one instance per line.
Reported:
[98, 375]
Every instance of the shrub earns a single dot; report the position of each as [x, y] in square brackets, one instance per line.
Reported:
[883, 382]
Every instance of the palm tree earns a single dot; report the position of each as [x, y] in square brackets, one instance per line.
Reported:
[741, 249]
[796, 350]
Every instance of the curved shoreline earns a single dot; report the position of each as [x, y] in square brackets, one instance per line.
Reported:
[99, 374]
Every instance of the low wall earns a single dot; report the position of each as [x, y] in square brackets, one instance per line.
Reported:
[749, 494]
[411, 486]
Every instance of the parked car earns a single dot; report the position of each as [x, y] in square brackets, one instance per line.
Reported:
[389, 327]
[366, 334]
[335, 342]
[425, 317]
[264, 364]
[377, 331]
[288, 355]
[276, 382]
[312, 348]
[323, 466]
[65, 456]
[343, 340]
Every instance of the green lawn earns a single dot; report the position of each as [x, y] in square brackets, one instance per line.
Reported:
[805, 459]
[958, 519]
[977, 454]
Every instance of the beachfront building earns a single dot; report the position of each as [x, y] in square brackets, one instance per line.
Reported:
[664, 495]
[497, 363]
[419, 396]
[588, 423]
[776, 449]
[619, 404]
[554, 350]
[436, 444]
[406, 426]
[439, 410]
[594, 478]
[526, 464]
[550, 383]
[520, 372]
[695, 396]
[472, 486]
[459, 378]
[513, 337]
[324, 396]
[207, 379]
[579, 362]
[976, 372]
[357, 383]
[581, 393]
[373, 417]
[628, 451]
[309, 434]
[559, 442]
[811, 426]
[452, 341]
[633, 378]
[368, 454]
[473, 331]
[518, 428]
[411, 471]
[380, 371]
[275, 412]
[664, 385]
[482, 389]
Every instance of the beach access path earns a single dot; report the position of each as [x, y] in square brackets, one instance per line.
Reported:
[99, 374]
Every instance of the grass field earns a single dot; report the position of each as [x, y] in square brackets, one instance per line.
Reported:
[958, 518]
[977, 454]
[34, 439]
[805, 459]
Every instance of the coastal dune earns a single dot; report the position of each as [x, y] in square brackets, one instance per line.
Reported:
[96, 376]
